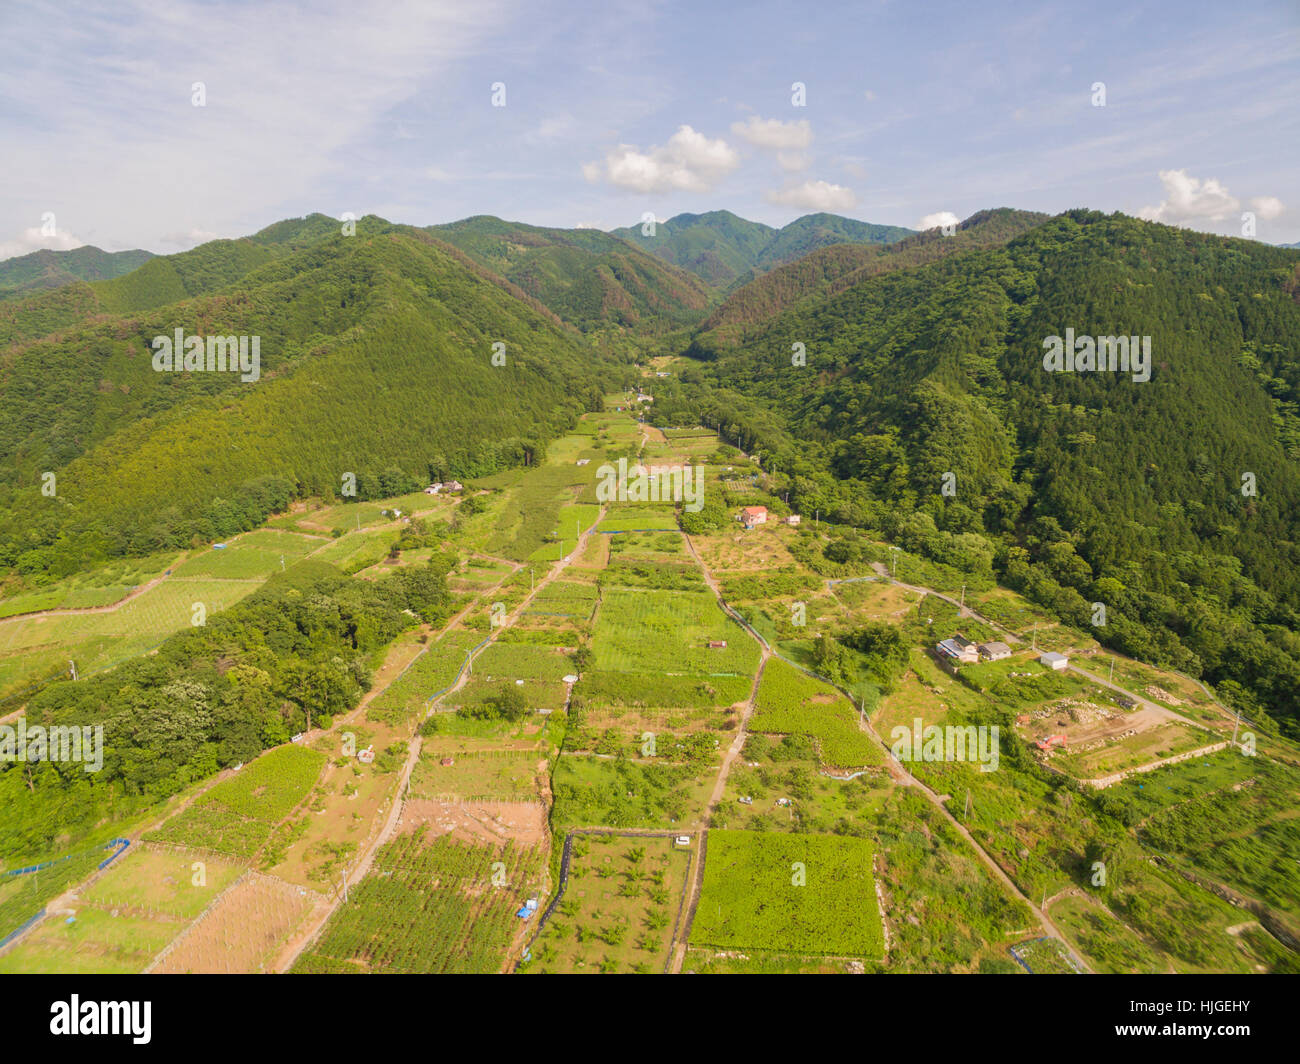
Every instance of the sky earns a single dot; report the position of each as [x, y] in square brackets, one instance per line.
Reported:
[164, 124]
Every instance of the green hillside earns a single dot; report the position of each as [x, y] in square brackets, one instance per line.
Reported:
[376, 356]
[41, 270]
[833, 269]
[587, 277]
[1073, 487]
[726, 250]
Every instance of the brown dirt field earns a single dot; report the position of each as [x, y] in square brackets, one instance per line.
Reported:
[243, 930]
[496, 822]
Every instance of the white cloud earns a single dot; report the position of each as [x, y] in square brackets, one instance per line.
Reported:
[1267, 207]
[1189, 199]
[188, 239]
[33, 239]
[773, 134]
[813, 195]
[937, 219]
[793, 161]
[690, 161]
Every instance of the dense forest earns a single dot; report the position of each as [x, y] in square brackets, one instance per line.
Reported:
[589, 278]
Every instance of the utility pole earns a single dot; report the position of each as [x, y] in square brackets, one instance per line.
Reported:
[1235, 727]
[962, 604]
[1112, 669]
[817, 518]
[966, 817]
[1033, 639]
[281, 563]
[73, 666]
[531, 585]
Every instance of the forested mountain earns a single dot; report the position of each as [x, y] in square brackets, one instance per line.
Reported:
[28, 274]
[833, 269]
[724, 249]
[376, 354]
[587, 277]
[1174, 501]
[168, 278]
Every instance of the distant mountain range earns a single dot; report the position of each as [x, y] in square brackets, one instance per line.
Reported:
[51, 269]
[587, 277]
[725, 250]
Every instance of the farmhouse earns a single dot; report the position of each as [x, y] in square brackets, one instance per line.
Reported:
[717, 644]
[1053, 660]
[793, 519]
[994, 651]
[958, 649]
[752, 516]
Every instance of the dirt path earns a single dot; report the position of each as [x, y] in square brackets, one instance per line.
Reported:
[678, 952]
[1145, 703]
[112, 607]
[304, 937]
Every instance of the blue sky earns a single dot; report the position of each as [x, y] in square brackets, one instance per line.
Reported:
[612, 110]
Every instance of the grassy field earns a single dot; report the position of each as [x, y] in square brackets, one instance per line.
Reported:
[792, 703]
[238, 815]
[645, 631]
[803, 894]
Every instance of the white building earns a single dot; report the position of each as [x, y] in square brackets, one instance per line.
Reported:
[1053, 660]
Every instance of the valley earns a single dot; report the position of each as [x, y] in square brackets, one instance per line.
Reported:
[685, 779]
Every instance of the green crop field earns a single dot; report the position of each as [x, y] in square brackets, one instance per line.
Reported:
[429, 905]
[433, 671]
[792, 703]
[32, 646]
[237, 816]
[101, 586]
[806, 894]
[638, 518]
[647, 631]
